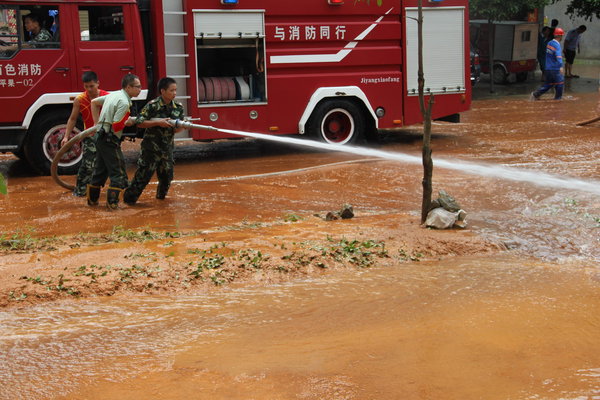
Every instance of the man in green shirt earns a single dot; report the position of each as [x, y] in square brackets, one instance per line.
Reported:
[109, 157]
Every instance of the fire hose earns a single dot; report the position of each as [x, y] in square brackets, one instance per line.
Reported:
[588, 121]
[54, 166]
[80, 136]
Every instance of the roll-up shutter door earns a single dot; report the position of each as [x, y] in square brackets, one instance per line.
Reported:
[443, 50]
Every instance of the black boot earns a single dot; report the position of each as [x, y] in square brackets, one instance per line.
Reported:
[92, 194]
[129, 198]
[112, 198]
[161, 191]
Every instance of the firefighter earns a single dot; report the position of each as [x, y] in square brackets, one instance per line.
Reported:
[157, 145]
[109, 157]
[82, 104]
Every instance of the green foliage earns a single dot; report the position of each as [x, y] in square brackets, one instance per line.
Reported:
[251, 257]
[292, 218]
[209, 260]
[501, 10]
[583, 8]
[24, 241]
[3, 187]
[119, 234]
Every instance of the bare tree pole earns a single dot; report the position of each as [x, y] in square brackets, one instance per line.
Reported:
[426, 112]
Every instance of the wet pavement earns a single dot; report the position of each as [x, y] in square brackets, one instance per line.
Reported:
[523, 325]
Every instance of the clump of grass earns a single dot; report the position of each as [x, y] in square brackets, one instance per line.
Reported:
[292, 218]
[209, 260]
[404, 256]
[252, 258]
[361, 254]
[50, 286]
[94, 271]
[129, 274]
[121, 234]
[24, 241]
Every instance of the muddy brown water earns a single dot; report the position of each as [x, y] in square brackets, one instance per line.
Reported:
[524, 325]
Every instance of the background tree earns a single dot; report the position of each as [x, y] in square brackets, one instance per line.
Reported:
[583, 8]
[502, 10]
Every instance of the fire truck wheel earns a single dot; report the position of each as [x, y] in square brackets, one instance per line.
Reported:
[337, 121]
[43, 142]
[499, 75]
[20, 154]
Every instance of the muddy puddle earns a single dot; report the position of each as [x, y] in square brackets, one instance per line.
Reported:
[469, 328]
[522, 324]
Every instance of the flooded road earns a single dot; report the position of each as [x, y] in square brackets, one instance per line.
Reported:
[519, 325]
[468, 328]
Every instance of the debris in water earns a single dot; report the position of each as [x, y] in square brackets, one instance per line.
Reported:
[346, 212]
[446, 213]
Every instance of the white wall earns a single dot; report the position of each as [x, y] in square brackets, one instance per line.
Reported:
[590, 40]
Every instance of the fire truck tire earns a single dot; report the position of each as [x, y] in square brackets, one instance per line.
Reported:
[20, 153]
[337, 121]
[499, 75]
[43, 143]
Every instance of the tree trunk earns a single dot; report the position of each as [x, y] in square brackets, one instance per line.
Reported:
[426, 112]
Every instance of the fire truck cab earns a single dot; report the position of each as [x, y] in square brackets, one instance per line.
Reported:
[338, 71]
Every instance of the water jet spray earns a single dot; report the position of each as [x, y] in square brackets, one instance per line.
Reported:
[496, 171]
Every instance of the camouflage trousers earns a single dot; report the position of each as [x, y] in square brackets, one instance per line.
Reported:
[156, 155]
[86, 169]
[109, 161]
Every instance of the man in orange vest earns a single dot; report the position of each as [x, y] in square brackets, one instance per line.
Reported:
[83, 105]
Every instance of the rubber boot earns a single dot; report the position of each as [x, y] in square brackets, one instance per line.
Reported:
[92, 194]
[112, 198]
[129, 198]
[161, 191]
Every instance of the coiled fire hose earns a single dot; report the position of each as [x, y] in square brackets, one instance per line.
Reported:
[55, 161]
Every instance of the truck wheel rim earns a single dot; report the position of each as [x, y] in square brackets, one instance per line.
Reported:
[51, 145]
[337, 126]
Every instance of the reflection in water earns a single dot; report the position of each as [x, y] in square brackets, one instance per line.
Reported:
[470, 328]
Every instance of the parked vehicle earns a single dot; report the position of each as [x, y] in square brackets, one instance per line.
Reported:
[475, 67]
[515, 48]
[332, 70]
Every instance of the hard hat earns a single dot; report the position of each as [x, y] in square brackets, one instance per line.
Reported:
[558, 32]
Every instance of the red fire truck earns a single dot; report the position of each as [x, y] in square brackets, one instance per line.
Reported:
[334, 70]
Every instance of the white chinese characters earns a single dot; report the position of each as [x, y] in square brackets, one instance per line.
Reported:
[310, 32]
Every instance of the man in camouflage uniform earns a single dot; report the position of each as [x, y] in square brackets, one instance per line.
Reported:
[83, 105]
[157, 145]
